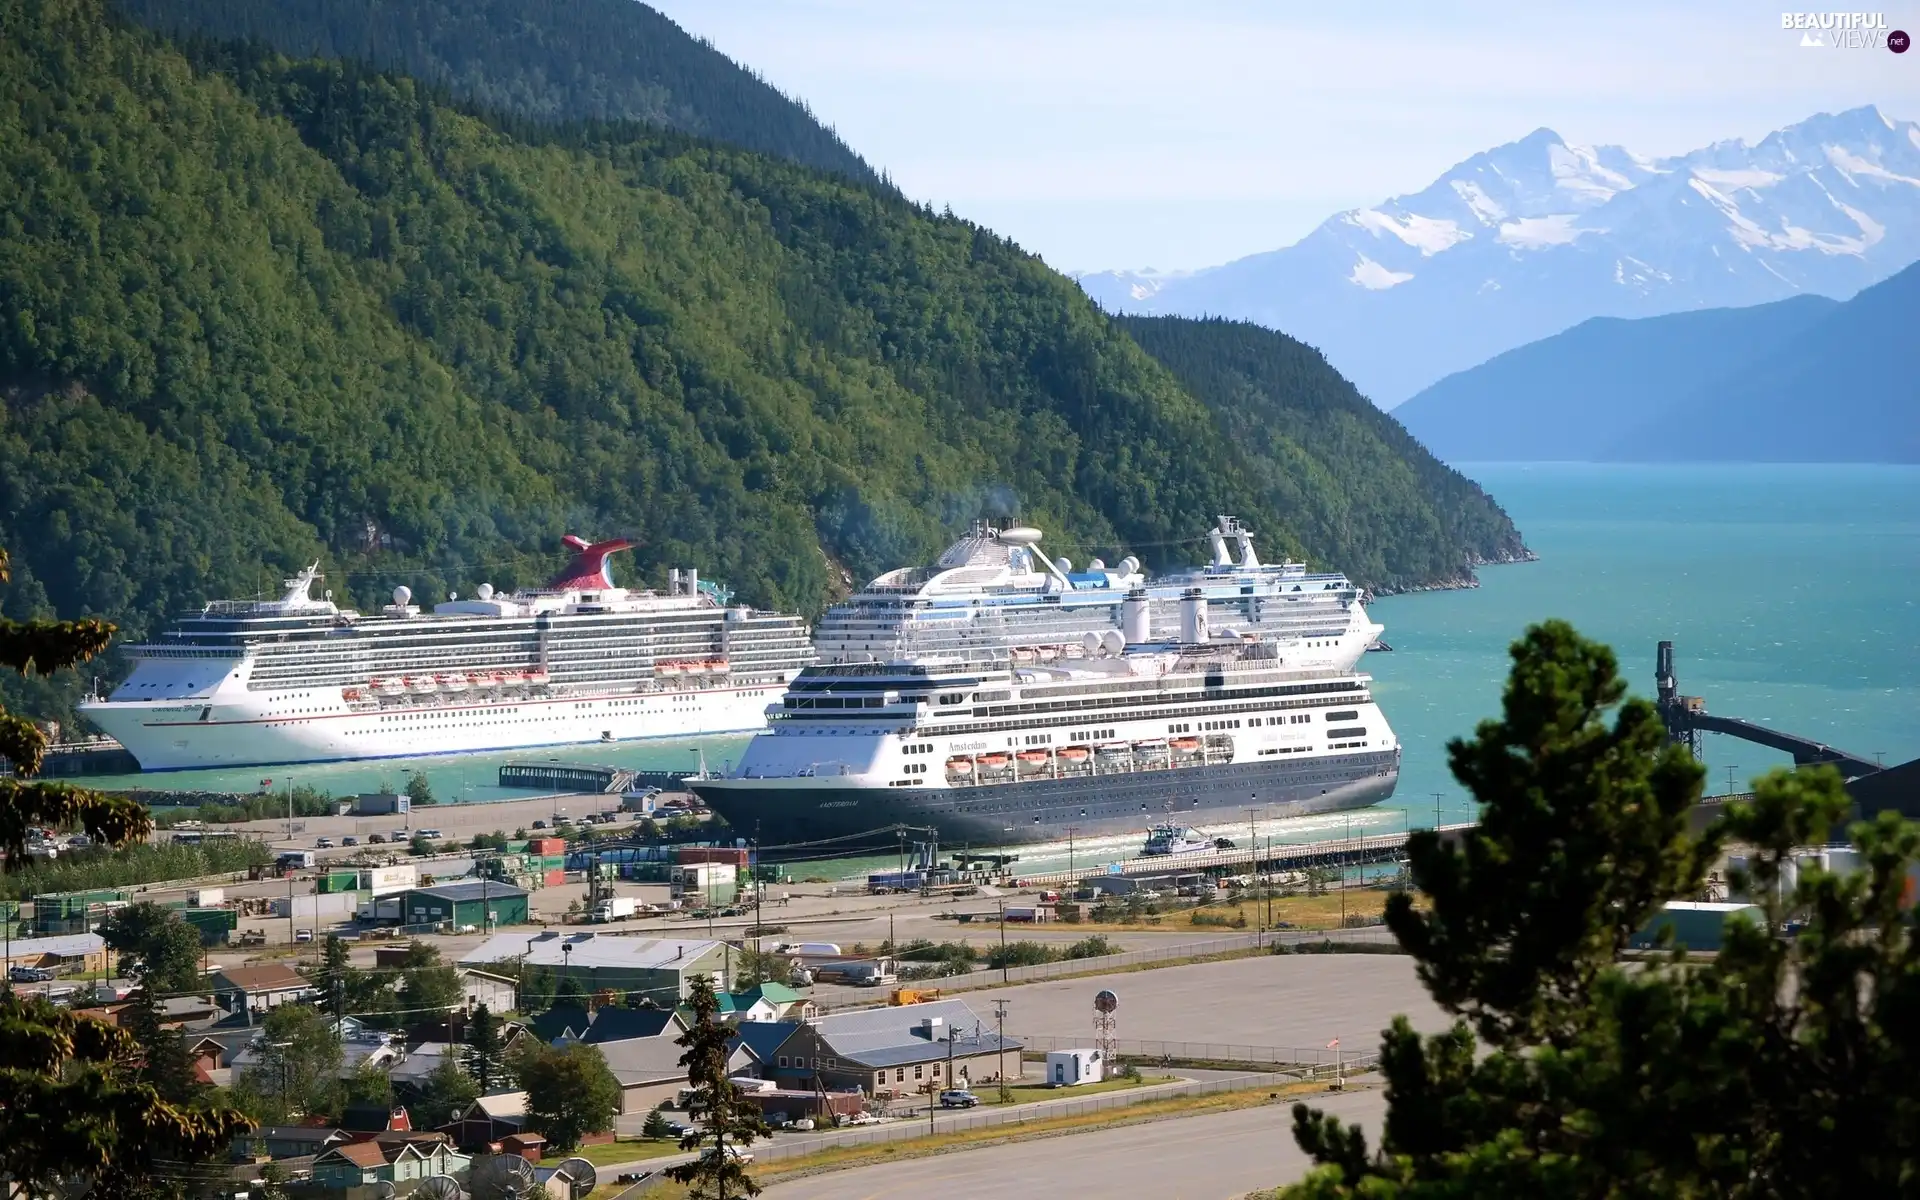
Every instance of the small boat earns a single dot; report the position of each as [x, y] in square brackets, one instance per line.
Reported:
[1033, 756]
[1075, 754]
[1024, 654]
[959, 764]
[350, 693]
[669, 668]
[388, 687]
[1184, 745]
[421, 684]
[538, 678]
[995, 760]
[452, 683]
[1174, 839]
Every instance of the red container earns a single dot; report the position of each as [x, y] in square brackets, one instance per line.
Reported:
[547, 846]
[556, 877]
[737, 855]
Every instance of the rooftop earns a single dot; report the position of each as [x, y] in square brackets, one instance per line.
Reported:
[552, 949]
[268, 977]
[897, 1035]
[484, 889]
[67, 945]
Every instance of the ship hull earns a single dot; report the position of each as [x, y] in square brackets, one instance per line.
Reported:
[172, 736]
[1042, 810]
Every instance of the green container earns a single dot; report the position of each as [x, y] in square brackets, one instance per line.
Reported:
[337, 881]
[553, 862]
[214, 924]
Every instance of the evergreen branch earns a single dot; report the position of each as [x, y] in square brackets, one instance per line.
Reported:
[48, 646]
[114, 820]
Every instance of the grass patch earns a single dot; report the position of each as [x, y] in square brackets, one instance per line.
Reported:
[618, 1152]
[1029, 1094]
[839, 1158]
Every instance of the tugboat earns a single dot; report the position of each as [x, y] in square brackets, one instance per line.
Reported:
[1174, 839]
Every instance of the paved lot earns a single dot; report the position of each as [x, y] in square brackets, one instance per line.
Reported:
[1190, 1158]
[1302, 1000]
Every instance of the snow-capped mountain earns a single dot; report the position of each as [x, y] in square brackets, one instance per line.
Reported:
[1525, 240]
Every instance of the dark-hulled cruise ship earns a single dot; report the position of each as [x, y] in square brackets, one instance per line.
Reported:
[1111, 734]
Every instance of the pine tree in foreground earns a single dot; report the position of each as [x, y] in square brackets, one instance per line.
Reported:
[1781, 1067]
[73, 1104]
[724, 1123]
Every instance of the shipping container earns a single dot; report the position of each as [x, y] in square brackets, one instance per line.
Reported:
[735, 855]
[328, 906]
[209, 897]
[554, 878]
[547, 845]
[383, 881]
[215, 925]
[337, 881]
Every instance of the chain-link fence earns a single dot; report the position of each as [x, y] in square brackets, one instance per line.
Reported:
[1146, 1052]
[961, 1120]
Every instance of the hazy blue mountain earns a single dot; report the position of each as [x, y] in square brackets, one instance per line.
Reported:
[1846, 389]
[1531, 238]
[1572, 396]
[546, 60]
[1801, 380]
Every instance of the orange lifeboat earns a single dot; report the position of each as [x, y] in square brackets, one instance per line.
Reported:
[959, 764]
[1075, 754]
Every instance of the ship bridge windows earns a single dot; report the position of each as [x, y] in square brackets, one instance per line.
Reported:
[1348, 715]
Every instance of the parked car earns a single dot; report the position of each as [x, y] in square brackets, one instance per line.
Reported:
[778, 1120]
[539, 824]
[863, 1118]
[324, 844]
[29, 975]
[349, 841]
[304, 935]
[678, 1129]
[958, 1098]
[737, 1154]
[431, 834]
[376, 839]
[634, 1176]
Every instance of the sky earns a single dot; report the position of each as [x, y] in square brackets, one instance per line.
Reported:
[1184, 133]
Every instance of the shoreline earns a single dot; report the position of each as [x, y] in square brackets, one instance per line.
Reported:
[1454, 583]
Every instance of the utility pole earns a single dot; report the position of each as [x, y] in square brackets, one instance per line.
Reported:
[1003, 940]
[1346, 855]
[1071, 830]
[1730, 770]
[1436, 812]
[1000, 1021]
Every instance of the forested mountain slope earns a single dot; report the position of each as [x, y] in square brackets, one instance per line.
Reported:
[255, 312]
[548, 60]
[1342, 471]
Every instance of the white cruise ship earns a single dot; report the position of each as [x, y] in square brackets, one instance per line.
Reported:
[581, 660]
[1121, 732]
[996, 589]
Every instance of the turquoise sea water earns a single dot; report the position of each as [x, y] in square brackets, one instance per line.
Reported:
[1792, 594]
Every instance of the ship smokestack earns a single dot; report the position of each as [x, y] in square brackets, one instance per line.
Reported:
[1134, 617]
[673, 581]
[1221, 558]
[691, 578]
[1193, 616]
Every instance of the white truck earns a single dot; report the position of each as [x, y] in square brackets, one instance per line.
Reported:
[615, 908]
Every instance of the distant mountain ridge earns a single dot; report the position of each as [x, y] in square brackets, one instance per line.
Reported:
[1530, 238]
[1801, 380]
[545, 60]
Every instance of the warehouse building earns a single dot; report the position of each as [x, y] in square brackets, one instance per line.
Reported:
[659, 968]
[482, 904]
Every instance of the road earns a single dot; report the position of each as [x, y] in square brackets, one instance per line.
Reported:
[1213, 1157]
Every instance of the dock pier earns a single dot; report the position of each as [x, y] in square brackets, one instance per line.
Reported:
[1295, 856]
[566, 777]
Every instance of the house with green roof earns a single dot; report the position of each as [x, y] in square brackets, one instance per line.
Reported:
[766, 1002]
